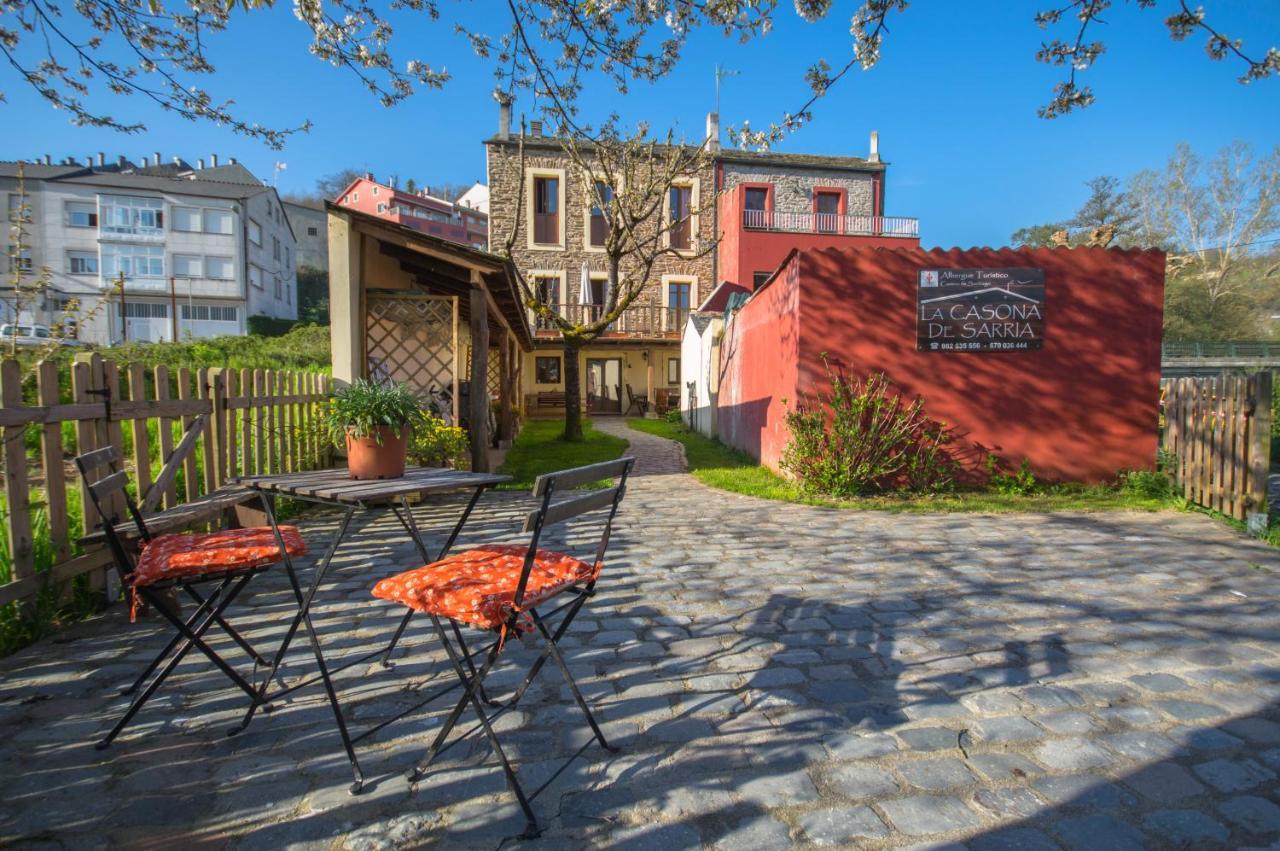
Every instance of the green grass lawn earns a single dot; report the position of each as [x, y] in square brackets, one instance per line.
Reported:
[538, 449]
[720, 466]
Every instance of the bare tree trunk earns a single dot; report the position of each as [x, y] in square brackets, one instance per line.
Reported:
[572, 394]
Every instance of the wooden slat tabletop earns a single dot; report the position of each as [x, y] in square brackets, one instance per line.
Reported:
[337, 485]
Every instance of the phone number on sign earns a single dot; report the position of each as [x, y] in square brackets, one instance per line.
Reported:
[973, 347]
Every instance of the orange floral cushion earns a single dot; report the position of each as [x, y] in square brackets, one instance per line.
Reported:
[192, 554]
[478, 587]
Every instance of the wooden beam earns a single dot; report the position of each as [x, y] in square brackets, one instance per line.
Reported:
[504, 385]
[429, 264]
[479, 413]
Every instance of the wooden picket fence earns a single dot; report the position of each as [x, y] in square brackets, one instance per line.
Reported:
[260, 421]
[1217, 439]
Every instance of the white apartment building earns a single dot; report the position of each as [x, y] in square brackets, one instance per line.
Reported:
[201, 249]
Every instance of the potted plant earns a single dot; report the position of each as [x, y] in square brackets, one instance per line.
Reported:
[375, 421]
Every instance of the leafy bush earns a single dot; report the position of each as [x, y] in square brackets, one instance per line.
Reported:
[674, 416]
[436, 444]
[1020, 482]
[270, 326]
[1148, 483]
[362, 407]
[864, 438]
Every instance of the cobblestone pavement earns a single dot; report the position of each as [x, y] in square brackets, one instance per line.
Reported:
[655, 456]
[773, 674]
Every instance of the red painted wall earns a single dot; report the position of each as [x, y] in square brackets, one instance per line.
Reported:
[1080, 409]
[473, 228]
[741, 252]
[760, 368]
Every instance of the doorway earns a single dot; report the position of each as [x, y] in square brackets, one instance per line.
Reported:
[604, 385]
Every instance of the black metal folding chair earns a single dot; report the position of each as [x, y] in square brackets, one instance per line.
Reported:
[498, 588]
[226, 560]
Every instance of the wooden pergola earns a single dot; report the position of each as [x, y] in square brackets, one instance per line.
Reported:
[404, 305]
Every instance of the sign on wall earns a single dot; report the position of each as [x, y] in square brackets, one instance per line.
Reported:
[980, 310]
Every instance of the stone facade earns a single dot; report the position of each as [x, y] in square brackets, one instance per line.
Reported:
[793, 186]
[507, 188]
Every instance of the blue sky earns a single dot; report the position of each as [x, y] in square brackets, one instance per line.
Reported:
[954, 100]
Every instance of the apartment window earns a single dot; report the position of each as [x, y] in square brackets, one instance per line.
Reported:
[255, 276]
[355, 196]
[275, 248]
[131, 215]
[311, 231]
[145, 310]
[209, 312]
[288, 293]
[755, 207]
[82, 262]
[382, 208]
[219, 221]
[375, 190]
[287, 262]
[82, 214]
[599, 215]
[548, 370]
[680, 222]
[278, 287]
[187, 219]
[598, 283]
[132, 261]
[673, 371]
[758, 279]
[546, 210]
[547, 288]
[826, 211]
[188, 266]
[19, 260]
[18, 209]
[255, 233]
[679, 293]
[219, 268]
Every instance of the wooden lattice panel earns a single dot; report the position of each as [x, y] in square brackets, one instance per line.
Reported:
[410, 340]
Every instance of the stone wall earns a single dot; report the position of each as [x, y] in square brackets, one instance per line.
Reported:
[793, 189]
[506, 180]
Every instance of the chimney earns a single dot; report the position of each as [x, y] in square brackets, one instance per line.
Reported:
[874, 156]
[120, 160]
[143, 160]
[504, 119]
[102, 159]
[177, 160]
[88, 161]
[200, 164]
[157, 162]
[535, 128]
[391, 181]
[213, 160]
[713, 131]
[48, 160]
[233, 160]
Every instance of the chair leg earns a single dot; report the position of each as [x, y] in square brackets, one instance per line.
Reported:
[230, 631]
[470, 695]
[203, 607]
[198, 638]
[192, 637]
[554, 650]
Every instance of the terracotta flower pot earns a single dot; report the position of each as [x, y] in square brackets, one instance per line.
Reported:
[369, 459]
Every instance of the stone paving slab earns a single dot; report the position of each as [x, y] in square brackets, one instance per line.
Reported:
[774, 675]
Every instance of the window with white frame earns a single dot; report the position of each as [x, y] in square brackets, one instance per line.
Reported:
[209, 313]
[278, 285]
[355, 197]
[255, 233]
[382, 208]
[219, 268]
[375, 190]
[131, 215]
[82, 262]
[255, 276]
[82, 214]
[188, 266]
[18, 209]
[187, 219]
[19, 260]
[219, 221]
[287, 261]
[145, 310]
[133, 261]
[288, 292]
[275, 248]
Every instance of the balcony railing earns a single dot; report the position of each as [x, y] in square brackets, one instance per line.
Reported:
[639, 320]
[786, 221]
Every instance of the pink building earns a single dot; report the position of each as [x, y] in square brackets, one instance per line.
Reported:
[449, 220]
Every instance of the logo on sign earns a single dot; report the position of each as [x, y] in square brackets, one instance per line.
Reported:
[929, 277]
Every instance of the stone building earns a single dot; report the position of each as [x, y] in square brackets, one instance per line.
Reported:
[557, 249]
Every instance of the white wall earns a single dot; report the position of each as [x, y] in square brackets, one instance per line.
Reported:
[697, 366]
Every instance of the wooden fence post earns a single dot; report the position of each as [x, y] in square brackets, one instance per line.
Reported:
[16, 492]
[165, 428]
[1259, 451]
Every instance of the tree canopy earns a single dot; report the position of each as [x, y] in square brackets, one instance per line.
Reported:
[158, 50]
